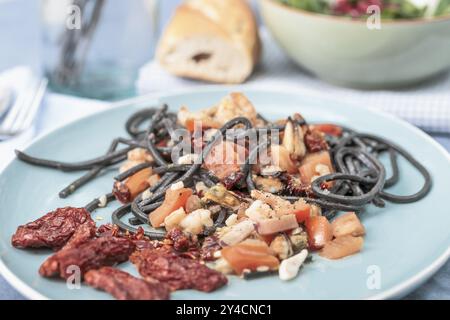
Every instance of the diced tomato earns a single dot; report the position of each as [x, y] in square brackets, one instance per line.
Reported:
[308, 168]
[342, 247]
[162, 143]
[347, 224]
[126, 191]
[302, 211]
[267, 238]
[319, 232]
[249, 255]
[201, 125]
[329, 129]
[173, 200]
[192, 125]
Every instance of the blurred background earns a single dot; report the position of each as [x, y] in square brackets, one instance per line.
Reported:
[52, 71]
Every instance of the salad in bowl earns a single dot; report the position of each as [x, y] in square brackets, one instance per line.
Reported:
[389, 9]
[366, 44]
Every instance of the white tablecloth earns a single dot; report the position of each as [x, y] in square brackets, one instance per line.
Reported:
[57, 110]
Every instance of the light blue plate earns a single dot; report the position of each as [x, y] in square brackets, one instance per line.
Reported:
[404, 245]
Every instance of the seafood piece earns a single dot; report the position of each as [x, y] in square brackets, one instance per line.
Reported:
[280, 157]
[139, 155]
[232, 106]
[299, 239]
[258, 211]
[268, 184]
[193, 203]
[293, 140]
[196, 221]
[271, 171]
[225, 160]
[282, 246]
[278, 204]
[289, 268]
[274, 225]
[237, 233]
[220, 195]
[174, 219]
[235, 105]
[315, 165]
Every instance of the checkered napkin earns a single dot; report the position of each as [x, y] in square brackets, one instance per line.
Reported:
[426, 106]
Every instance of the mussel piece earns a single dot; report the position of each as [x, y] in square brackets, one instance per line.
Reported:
[298, 239]
[271, 171]
[220, 195]
[282, 246]
[268, 184]
[293, 140]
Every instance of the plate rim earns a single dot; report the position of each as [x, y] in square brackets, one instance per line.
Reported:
[396, 291]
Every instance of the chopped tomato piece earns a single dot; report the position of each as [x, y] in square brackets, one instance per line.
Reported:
[329, 129]
[173, 200]
[347, 224]
[267, 238]
[126, 191]
[250, 255]
[342, 247]
[319, 231]
[201, 125]
[302, 211]
[190, 125]
[314, 165]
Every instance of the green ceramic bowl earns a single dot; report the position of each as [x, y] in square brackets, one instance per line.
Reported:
[346, 52]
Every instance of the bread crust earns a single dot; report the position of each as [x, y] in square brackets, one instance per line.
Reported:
[230, 21]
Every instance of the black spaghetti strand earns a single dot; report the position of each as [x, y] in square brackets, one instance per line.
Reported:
[118, 214]
[96, 203]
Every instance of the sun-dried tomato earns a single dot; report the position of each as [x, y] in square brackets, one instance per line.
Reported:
[124, 286]
[52, 230]
[209, 247]
[177, 271]
[315, 141]
[180, 241]
[93, 254]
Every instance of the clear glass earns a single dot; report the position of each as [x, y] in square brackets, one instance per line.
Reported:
[94, 48]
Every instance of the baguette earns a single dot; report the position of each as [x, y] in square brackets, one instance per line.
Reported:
[211, 40]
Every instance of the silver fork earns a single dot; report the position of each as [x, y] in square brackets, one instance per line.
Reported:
[22, 113]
